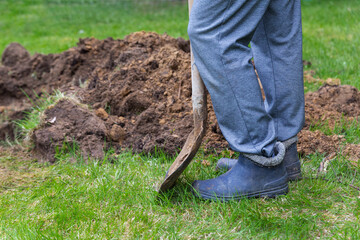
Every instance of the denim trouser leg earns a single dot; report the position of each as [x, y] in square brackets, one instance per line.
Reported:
[220, 32]
[277, 51]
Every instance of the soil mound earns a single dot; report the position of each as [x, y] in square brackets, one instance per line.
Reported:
[332, 103]
[138, 90]
[14, 54]
[316, 141]
[68, 122]
[144, 84]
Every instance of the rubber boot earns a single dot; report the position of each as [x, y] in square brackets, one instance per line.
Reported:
[291, 161]
[245, 179]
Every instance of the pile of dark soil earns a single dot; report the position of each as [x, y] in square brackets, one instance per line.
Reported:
[138, 93]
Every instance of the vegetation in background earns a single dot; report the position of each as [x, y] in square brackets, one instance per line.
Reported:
[51, 26]
[330, 28]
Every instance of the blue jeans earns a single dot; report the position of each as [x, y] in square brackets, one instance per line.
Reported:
[220, 32]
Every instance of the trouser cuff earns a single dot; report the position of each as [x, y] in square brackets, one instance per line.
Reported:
[290, 141]
[269, 161]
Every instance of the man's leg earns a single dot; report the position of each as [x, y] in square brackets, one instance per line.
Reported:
[277, 51]
[220, 32]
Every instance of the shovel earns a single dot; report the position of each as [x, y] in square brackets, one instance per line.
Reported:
[193, 141]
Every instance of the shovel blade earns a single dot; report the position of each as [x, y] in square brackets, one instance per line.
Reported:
[194, 139]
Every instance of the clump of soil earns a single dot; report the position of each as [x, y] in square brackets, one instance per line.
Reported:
[14, 54]
[330, 104]
[138, 90]
[68, 122]
[316, 141]
[352, 153]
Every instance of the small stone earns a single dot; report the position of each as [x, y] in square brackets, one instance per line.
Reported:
[177, 107]
[117, 133]
[333, 81]
[101, 113]
[173, 64]
[170, 100]
[205, 163]
[161, 107]
[125, 91]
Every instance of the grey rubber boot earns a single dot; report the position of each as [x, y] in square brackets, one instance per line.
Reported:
[247, 178]
[291, 161]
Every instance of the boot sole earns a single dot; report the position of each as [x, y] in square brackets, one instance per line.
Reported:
[295, 176]
[270, 193]
[294, 171]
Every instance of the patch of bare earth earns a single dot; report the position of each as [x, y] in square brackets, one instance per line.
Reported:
[17, 169]
[138, 90]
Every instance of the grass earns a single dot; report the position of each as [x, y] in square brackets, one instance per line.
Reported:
[51, 26]
[33, 118]
[331, 39]
[350, 129]
[331, 32]
[114, 198]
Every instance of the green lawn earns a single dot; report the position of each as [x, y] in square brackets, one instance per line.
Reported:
[51, 26]
[332, 39]
[104, 200]
[115, 198]
[331, 28]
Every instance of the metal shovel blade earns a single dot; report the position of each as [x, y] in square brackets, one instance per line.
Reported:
[193, 141]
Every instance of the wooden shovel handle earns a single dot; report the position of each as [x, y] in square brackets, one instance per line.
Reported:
[194, 139]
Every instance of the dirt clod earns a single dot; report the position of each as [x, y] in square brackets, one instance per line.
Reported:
[330, 104]
[317, 142]
[117, 134]
[101, 113]
[74, 124]
[14, 54]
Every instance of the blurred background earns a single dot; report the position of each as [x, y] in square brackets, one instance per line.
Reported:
[331, 28]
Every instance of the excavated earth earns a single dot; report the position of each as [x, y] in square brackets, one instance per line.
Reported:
[135, 93]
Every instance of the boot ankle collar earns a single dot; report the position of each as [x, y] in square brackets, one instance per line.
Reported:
[269, 161]
[290, 141]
